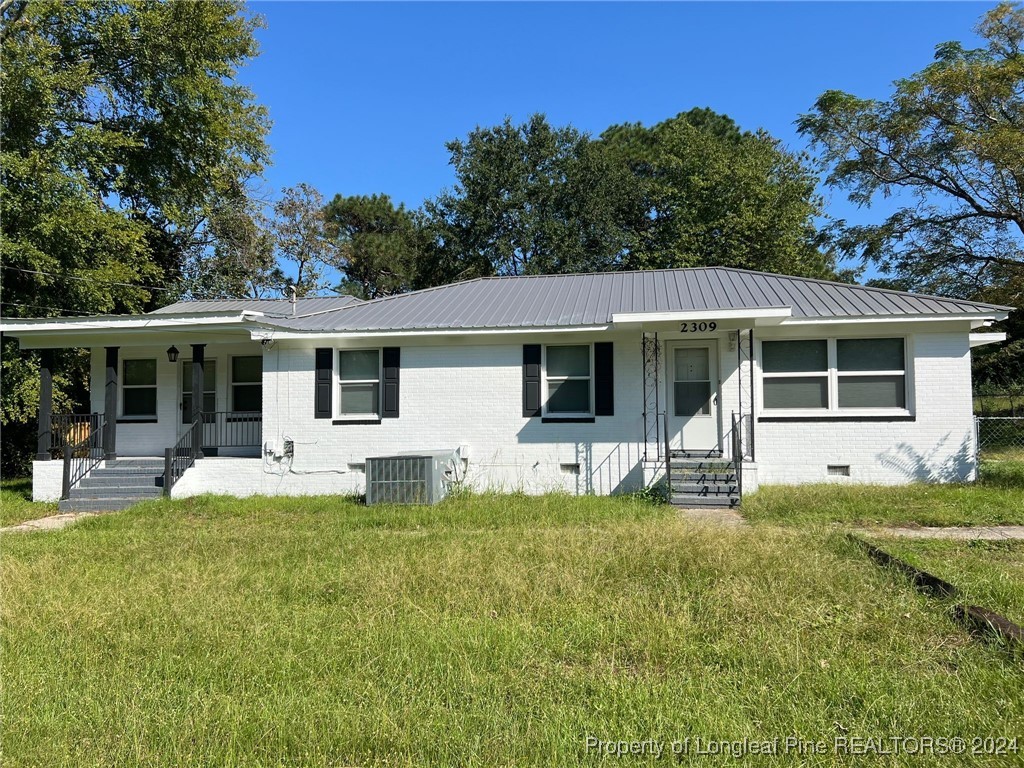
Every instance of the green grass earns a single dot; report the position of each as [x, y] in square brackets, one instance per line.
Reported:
[16, 505]
[487, 631]
[996, 499]
[987, 573]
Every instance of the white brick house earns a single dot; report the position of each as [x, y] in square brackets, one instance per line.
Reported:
[585, 383]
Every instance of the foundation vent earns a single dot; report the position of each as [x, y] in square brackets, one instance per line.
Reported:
[839, 470]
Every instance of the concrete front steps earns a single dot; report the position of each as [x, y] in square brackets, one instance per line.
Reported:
[702, 479]
[118, 484]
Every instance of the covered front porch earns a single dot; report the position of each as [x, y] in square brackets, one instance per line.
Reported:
[145, 412]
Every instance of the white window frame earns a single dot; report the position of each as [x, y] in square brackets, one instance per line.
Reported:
[338, 384]
[122, 387]
[544, 378]
[833, 374]
[231, 384]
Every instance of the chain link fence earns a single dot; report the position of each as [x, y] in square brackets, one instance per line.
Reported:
[999, 434]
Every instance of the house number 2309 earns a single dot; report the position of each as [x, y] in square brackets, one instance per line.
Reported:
[698, 327]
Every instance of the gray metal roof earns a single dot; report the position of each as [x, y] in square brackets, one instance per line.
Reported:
[592, 299]
[282, 307]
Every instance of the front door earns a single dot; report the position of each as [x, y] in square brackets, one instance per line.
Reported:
[693, 395]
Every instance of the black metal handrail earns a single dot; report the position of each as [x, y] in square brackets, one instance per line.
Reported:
[232, 429]
[182, 455]
[668, 442]
[737, 450]
[71, 428]
[82, 457]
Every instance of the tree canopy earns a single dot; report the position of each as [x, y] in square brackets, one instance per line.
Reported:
[379, 246]
[949, 144]
[715, 195]
[694, 190]
[124, 130]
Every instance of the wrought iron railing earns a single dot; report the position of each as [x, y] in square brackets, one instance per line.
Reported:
[232, 429]
[71, 428]
[182, 455]
[737, 450]
[82, 457]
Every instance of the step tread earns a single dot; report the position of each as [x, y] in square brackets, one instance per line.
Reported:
[684, 500]
[706, 490]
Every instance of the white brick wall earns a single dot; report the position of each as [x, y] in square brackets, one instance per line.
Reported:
[468, 392]
[937, 446]
[47, 479]
[464, 394]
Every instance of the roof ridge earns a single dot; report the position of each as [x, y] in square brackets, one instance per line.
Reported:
[872, 288]
[367, 302]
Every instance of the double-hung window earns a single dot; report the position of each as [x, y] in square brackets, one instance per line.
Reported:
[359, 383]
[568, 380]
[247, 384]
[834, 375]
[871, 373]
[138, 389]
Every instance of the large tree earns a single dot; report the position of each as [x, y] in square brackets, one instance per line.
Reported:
[123, 128]
[529, 199]
[300, 237]
[716, 195]
[948, 146]
[379, 245]
[694, 190]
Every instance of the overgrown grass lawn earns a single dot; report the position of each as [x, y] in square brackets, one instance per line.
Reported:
[16, 505]
[486, 631]
[987, 573]
[996, 499]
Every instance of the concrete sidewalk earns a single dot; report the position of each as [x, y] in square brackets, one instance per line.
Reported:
[712, 515]
[51, 523]
[976, 533]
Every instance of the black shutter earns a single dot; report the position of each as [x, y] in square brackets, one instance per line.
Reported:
[392, 366]
[322, 384]
[604, 376]
[531, 379]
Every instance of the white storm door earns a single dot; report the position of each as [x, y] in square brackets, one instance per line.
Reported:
[693, 396]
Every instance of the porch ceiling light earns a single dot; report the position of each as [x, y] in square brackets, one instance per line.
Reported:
[172, 354]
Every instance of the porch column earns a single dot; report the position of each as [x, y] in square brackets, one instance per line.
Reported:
[198, 388]
[45, 405]
[110, 406]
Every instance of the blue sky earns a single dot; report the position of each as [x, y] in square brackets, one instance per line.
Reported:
[363, 96]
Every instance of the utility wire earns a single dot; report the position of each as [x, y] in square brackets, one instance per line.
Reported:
[86, 279]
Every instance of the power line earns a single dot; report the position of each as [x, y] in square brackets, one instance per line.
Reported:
[86, 279]
[4, 302]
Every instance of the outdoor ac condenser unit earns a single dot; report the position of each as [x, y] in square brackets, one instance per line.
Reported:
[418, 478]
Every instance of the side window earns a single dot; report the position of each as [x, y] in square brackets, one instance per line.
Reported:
[872, 373]
[359, 382]
[568, 380]
[138, 389]
[795, 374]
[247, 384]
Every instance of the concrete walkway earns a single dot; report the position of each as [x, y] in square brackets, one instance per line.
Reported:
[977, 533]
[712, 515]
[51, 523]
